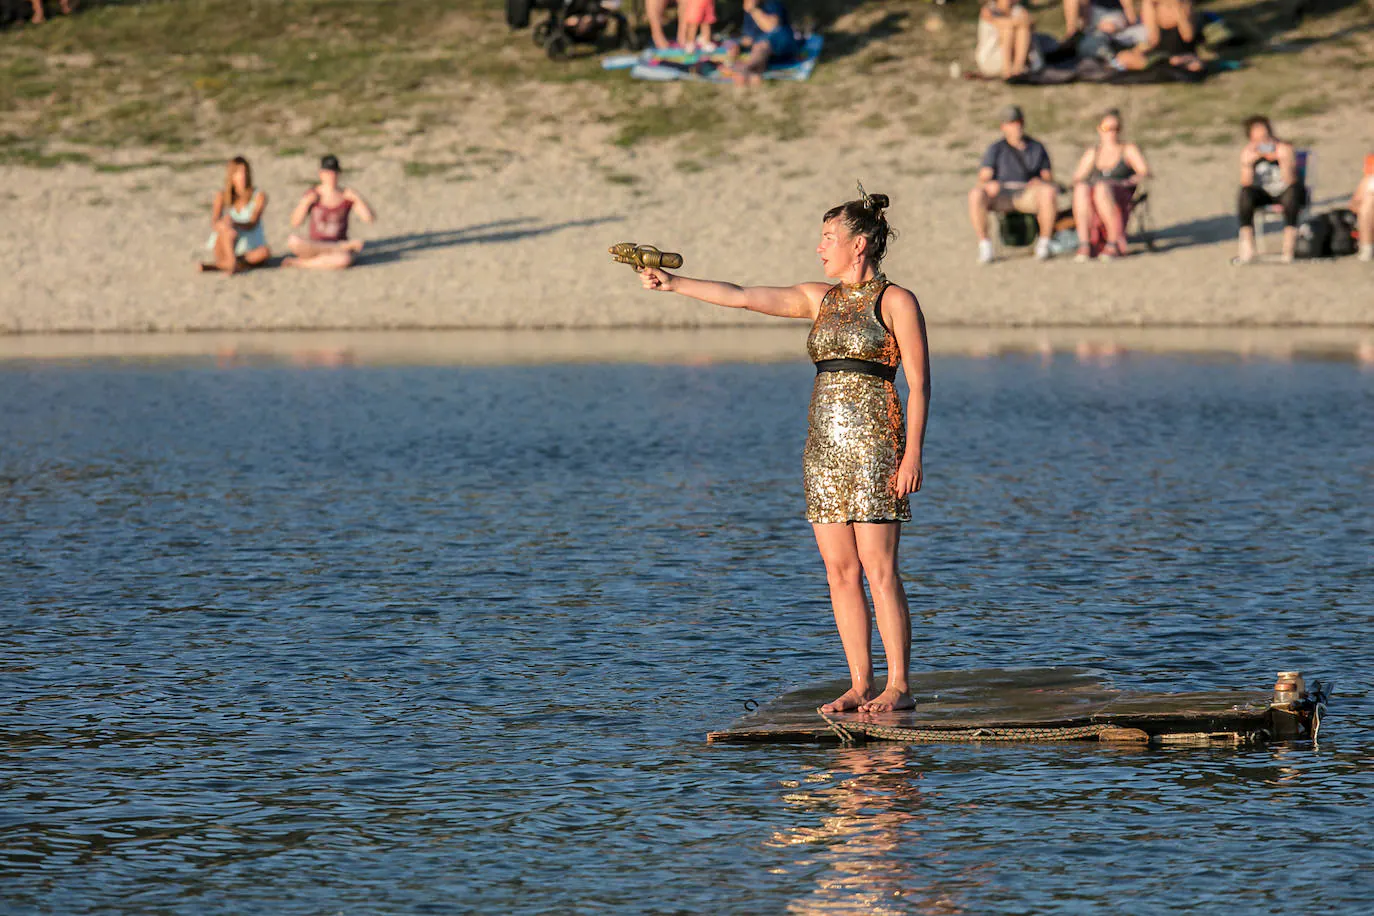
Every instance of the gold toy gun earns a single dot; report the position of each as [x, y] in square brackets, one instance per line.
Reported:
[641, 256]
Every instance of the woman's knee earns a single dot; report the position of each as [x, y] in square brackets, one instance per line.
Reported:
[844, 573]
[882, 577]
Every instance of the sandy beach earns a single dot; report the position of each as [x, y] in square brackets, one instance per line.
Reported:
[521, 241]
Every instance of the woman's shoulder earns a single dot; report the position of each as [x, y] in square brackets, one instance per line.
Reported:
[900, 296]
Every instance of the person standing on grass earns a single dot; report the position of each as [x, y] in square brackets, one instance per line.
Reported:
[1014, 176]
[862, 460]
[238, 242]
[327, 206]
[1268, 175]
[65, 6]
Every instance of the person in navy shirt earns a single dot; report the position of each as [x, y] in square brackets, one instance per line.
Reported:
[1014, 176]
[767, 36]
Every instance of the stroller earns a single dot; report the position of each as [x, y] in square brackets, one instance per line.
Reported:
[572, 22]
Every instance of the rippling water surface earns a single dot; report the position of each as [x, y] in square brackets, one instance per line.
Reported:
[448, 639]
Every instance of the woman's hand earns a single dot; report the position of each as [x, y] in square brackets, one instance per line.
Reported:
[657, 280]
[909, 475]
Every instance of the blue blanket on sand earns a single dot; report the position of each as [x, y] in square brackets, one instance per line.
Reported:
[675, 64]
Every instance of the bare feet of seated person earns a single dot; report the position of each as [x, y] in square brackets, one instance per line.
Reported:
[852, 699]
[889, 700]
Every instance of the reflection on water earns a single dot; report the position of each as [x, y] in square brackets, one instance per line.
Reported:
[396, 639]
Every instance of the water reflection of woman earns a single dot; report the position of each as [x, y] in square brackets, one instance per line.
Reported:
[861, 461]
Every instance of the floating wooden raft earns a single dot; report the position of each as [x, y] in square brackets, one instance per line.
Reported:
[1031, 704]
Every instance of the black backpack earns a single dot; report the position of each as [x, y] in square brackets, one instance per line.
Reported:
[1314, 238]
[1343, 227]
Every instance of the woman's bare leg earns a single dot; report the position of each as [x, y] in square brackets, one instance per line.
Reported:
[1083, 216]
[335, 259]
[653, 11]
[1110, 213]
[225, 260]
[844, 572]
[37, 11]
[256, 257]
[877, 547]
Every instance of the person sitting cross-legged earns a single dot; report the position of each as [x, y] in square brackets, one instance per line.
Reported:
[1014, 176]
[327, 205]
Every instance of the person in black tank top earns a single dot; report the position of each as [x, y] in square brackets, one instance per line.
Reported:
[1103, 185]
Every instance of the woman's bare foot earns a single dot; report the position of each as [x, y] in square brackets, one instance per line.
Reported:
[353, 245]
[852, 699]
[289, 261]
[889, 700]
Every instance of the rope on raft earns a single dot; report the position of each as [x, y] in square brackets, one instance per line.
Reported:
[849, 734]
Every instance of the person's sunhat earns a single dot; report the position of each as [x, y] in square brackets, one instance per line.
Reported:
[1013, 113]
[330, 163]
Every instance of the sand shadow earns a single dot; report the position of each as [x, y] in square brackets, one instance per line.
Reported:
[1223, 227]
[397, 247]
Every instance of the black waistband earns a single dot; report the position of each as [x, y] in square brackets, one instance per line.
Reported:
[862, 366]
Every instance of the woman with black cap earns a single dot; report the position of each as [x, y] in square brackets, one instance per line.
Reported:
[328, 206]
[862, 460]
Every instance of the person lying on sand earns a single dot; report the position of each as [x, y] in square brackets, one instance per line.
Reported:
[328, 206]
[238, 242]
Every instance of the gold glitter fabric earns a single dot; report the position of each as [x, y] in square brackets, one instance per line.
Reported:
[857, 433]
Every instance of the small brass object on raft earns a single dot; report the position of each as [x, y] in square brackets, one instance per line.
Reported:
[642, 256]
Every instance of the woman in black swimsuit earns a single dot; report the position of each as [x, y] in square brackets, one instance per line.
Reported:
[1103, 185]
[1171, 36]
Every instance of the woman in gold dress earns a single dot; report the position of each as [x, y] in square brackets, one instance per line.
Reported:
[862, 460]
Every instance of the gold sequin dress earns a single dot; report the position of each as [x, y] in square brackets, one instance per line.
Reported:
[857, 433]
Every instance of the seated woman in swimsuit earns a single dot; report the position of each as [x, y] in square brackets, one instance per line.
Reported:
[238, 242]
[767, 36]
[328, 206]
[1103, 184]
[1171, 35]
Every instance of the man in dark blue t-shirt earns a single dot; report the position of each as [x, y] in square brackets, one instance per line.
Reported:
[1014, 176]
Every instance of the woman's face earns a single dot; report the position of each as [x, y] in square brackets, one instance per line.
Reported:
[838, 249]
[1259, 133]
[1110, 128]
[238, 175]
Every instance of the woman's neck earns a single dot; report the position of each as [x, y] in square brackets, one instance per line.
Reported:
[859, 274]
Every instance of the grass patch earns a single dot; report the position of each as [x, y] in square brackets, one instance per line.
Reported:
[418, 169]
[177, 75]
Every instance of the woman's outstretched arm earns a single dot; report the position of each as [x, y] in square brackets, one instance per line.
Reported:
[903, 314]
[800, 301]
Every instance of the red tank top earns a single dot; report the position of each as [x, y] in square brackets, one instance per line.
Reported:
[330, 224]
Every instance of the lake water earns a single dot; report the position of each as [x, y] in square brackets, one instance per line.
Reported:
[448, 639]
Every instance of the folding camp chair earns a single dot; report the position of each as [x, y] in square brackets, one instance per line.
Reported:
[1135, 219]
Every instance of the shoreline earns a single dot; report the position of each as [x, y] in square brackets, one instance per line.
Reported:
[693, 346]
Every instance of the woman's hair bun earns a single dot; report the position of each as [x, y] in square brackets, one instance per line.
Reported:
[880, 202]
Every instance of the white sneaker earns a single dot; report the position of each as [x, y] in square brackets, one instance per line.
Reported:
[986, 252]
[1042, 249]
[1367, 253]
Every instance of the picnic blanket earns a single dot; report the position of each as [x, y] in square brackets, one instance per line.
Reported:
[668, 64]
